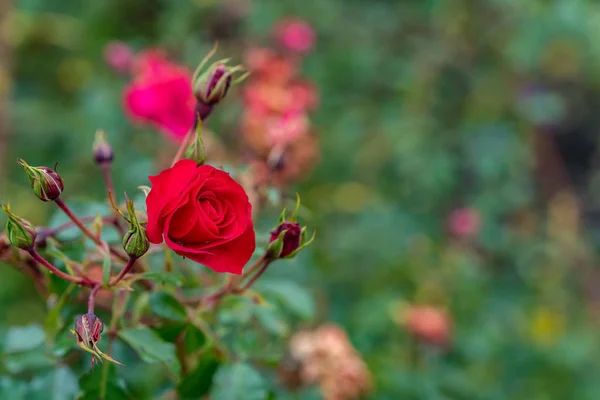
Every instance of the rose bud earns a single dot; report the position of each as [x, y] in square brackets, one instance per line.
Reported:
[135, 241]
[88, 329]
[288, 237]
[20, 232]
[45, 182]
[212, 85]
[292, 237]
[103, 153]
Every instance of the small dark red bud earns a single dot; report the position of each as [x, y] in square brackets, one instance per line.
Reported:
[212, 86]
[103, 152]
[292, 238]
[45, 182]
[88, 328]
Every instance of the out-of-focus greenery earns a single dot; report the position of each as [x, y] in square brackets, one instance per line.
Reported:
[426, 106]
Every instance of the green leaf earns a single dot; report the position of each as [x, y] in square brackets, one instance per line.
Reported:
[24, 338]
[170, 331]
[12, 389]
[292, 297]
[194, 339]
[28, 360]
[239, 381]
[198, 382]
[166, 306]
[271, 320]
[103, 382]
[151, 348]
[166, 278]
[57, 384]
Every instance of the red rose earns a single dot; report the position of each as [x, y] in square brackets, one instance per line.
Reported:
[202, 214]
[161, 94]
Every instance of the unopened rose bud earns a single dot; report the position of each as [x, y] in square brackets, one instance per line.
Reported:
[45, 182]
[135, 241]
[103, 153]
[292, 237]
[88, 329]
[212, 85]
[288, 237]
[20, 232]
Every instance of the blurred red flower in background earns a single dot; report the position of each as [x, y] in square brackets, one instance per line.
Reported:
[160, 94]
[295, 35]
[275, 123]
[118, 56]
[464, 222]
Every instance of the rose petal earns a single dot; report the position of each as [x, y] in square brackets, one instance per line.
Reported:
[230, 256]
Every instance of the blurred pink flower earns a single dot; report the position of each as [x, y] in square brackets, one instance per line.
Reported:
[160, 94]
[118, 56]
[464, 222]
[287, 127]
[295, 35]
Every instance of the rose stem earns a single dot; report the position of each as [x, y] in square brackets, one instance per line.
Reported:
[85, 230]
[184, 145]
[261, 271]
[85, 220]
[92, 298]
[226, 289]
[83, 281]
[110, 188]
[124, 271]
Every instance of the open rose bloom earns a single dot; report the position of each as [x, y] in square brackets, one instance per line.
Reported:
[202, 214]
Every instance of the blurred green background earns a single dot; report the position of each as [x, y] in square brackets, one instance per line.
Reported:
[426, 106]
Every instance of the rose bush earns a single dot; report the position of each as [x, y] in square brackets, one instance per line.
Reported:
[202, 214]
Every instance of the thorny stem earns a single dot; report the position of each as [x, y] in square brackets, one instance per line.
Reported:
[83, 228]
[92, 298]
[124, 271]
[83, 281]
[107, 177]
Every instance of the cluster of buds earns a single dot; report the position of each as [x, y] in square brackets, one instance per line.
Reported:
[431, 325]
[326, 357]
[211, 85]
[288, 238]
[275, 123]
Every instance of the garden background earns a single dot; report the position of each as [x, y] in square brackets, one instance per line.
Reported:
[458, 143]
